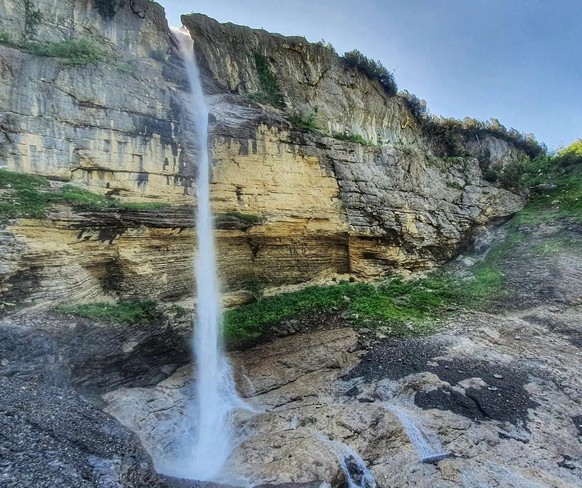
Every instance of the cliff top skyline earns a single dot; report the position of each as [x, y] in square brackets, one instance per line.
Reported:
[516, 61]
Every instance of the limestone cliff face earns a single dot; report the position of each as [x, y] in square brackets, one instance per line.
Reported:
[391, 204]
[292, 204]
[110, 125]
[312, 79]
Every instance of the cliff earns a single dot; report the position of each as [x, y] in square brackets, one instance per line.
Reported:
[337, 177]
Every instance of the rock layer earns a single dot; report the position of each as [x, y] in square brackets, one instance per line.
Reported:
[302, 204]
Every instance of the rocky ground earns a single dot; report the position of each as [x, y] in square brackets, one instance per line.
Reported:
[498, 391]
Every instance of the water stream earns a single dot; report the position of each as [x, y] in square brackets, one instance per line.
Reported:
[353, 466]
[427, 445]
[216, 395]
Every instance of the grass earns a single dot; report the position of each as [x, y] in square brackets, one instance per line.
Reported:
[455, 185]
[127, 312]
[356, 138]
[75, 52]
[78, 52]
[30, 196]
[6, 39]
[562, 201]
[247, 218]
[403, 307]
[306, 122]
[141, 206]
[27, 195]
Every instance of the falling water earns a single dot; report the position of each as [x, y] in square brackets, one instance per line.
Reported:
[216, 395]
[428, 452]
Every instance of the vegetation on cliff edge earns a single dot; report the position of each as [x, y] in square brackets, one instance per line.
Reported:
[372, 69]
[449, 135]
[556, 187]
[127, 312]
[78, 52]
[26, 195]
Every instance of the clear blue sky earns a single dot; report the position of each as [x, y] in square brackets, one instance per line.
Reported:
[517, 60]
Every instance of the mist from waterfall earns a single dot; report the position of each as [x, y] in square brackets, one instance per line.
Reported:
[216, 395]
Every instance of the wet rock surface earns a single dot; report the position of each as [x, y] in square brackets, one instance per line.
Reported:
[51, 436]
[499, 394]
[495, 396]
[498, 390]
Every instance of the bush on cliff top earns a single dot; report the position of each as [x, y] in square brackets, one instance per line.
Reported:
[447, 135]
[372, 69]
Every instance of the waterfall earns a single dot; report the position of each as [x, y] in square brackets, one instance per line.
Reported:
[216, 395]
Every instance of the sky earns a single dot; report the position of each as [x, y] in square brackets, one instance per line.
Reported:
[519, 61]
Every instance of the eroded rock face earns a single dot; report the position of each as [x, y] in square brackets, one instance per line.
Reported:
[110, 125]
[314, 205]
[498, 393]
[507, 417]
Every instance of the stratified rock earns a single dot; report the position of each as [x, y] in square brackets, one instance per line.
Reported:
[295, 205]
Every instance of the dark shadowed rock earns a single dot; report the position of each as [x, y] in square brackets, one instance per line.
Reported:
[52, 437]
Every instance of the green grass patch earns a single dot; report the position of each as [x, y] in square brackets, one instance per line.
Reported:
[26, 195]
[455, 185]
[22, 195]
[356, 138]
[78, 52]
[247, 218]
[128, 312]
[75, 52]
[403, 307]
[141, 206]
[6, 39]
[562, 199]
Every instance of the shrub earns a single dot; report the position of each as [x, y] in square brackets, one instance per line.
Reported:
[247, 218]
[5, 39]
[570, 156]
[326, 45]
[372, 69]
[416, 106]
[512, 175]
